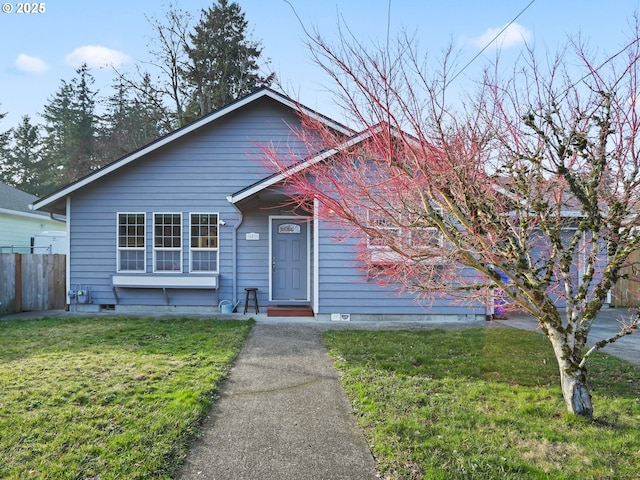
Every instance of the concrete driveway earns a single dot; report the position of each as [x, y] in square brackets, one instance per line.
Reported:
[608, 322]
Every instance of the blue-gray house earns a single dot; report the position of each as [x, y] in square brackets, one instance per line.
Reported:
[195, 218]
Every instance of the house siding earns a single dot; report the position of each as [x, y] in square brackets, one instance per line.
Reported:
[344, 287]
[192, 174]
[196, 173]
[253, 256]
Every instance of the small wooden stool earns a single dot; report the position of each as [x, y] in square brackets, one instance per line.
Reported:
[251, 295]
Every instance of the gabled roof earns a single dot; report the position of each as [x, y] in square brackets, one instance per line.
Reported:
[51, 199]
[276, 178]
[16, 202]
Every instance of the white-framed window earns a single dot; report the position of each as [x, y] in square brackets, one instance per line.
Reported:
[203, 242]
[384, 232]
[131, 242]
[387, 231]
[167, 242]
[414, 240]
[428, 237]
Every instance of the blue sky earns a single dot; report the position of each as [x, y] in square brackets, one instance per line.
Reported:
[38, 50]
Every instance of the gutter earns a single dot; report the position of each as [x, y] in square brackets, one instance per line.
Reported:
[234, 252]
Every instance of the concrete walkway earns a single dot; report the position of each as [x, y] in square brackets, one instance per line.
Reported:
[282, 414]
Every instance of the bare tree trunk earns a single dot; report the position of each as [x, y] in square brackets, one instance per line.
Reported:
[575, 391]
[573, 378]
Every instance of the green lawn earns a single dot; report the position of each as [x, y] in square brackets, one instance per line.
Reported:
[89, 398]
[485, 404]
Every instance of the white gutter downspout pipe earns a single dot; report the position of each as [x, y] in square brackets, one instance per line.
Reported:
[234, 252]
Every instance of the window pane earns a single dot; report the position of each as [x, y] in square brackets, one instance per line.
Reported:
[386, 236]
[204, 261]
[426, 237]
[204, 242]
[168, 261]
[204, 231]
[167, 230]
[132, 260]
[131, 241]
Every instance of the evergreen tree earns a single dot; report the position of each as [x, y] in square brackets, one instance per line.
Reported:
[4, 143]
[24, 166]
[223, 60]
[129, 123]
[70, 126]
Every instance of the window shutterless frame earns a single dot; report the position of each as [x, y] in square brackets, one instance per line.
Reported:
[204, 240]
[131, 242]
[167, 242]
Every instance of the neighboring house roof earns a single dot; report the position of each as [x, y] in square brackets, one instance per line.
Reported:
[52, 202]
[16, 202]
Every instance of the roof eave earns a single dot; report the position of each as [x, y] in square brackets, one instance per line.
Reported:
[18, 213]
[294, 169]
[171, 137]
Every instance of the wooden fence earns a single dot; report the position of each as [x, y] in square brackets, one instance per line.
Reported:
[32, 282]
[626, 292]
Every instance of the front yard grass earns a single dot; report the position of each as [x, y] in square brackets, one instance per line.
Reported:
[102, 398]
[485, 404]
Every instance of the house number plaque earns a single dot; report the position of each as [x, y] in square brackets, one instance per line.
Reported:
[288, 228]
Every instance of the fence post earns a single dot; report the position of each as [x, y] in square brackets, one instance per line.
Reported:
[18, 285]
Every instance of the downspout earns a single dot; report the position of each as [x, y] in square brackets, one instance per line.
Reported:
[68, 240]
[234, 252]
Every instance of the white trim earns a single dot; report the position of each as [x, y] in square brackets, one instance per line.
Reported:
[307, 221]
[38, 216]
[68, 260]
[181, 133]
[144, 249]
[216, 249]
[164, 281]
[272, 180]
[164, 249]
[316, 256]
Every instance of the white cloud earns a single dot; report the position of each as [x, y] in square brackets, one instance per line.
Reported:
[515, 34]
[96, 56]
[28, 64]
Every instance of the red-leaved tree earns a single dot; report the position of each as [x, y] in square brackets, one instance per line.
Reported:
[530, 184]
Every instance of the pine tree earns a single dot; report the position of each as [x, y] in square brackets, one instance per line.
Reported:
[24, 167]
[129, 123]
[223, 60]
[4, 151]
[70, 126]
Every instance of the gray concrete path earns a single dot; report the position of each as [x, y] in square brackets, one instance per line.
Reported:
[282, 414]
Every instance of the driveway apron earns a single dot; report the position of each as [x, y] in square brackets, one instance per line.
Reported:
[282, 414]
